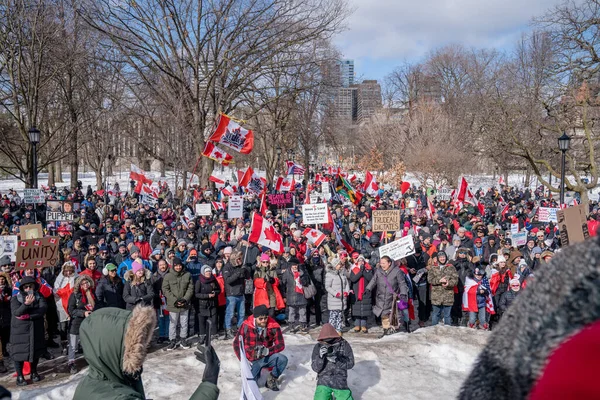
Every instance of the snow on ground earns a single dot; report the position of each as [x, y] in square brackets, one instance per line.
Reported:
[430, 363]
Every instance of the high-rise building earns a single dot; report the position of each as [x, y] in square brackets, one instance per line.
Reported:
[345, 104]
[346, 72]
[368, 99]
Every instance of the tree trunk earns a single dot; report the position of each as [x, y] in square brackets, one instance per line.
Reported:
[99, 179]
[51, 171]
[58, 172]
[163, 169]
[527, 177]
[184, 179]
[506, 178]
[583, 193]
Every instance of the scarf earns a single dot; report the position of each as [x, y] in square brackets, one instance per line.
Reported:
[87, 298]
[298, 286]
[361, 281]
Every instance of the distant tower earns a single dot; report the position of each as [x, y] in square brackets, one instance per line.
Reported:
[346, 72]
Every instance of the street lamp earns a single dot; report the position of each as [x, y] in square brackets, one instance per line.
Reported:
[34, 139]
[563, 144]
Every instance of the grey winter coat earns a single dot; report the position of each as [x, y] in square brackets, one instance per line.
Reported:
[384, 297]
[336, 282]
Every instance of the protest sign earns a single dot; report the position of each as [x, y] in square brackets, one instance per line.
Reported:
[203, 209]
[279, 201]
[514, 229]
[443, 194]
[314, 214]
[386, 220]
[325, 191]
[8, 246]
[32, 231]
[314, 198]
[37, 253]
[148, 201]
[235, 207]
[60, 210]
[547, 214]
[33, 196]
[398, 249]
[519, 239]
[572, 224]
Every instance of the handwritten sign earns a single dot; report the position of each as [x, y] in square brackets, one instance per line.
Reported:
[572, 224]
[519, 239]
[314, 213]
[281, 200]
[37, 253]
[203, 209]
[31, 231]
[547, 214]
[398, 249]
[235, 207]
[443, 194]
[33, 196]
[386, 220]
[8, 247]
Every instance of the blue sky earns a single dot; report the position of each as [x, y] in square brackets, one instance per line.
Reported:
[382, 34]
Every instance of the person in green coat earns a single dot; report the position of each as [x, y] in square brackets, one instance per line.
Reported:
[178, 289]
[114, 343]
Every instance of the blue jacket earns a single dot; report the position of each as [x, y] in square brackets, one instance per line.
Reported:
[126, 266]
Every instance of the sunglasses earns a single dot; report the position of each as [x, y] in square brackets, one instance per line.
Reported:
[261, 318]
[515, 285]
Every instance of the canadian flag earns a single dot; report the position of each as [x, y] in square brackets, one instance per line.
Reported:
[263, 204]
[229, 133]
[352, 178]
[246, 177]
[462, 190]
[139, 176]
[216, 180]
[430, 209]
[314, 236]
[471, 199]
[285, 184]
[214, 153]
[150, 191]
[370, 185]
[470, 297]
[501, 181]
[263, 233]
[218, 206]
[227, 191]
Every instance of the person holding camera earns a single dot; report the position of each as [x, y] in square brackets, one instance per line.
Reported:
[332, 357]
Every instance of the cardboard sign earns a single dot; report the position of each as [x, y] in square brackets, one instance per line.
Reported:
[278, 201]
[203, 209]
[8, 247]
[33, 196]
[572, 224]
[519, 239]
[386, 220]
[313, 214]
[398, 249]
[31, 231]
[61, 210]
[443, 194]
[235, 207]
[37, 253]
[547, 214]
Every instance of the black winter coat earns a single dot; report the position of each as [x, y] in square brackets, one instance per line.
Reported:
[506, 300]
[27, 341]
[77, 309]
[142, 293]
[110, 293]
[292, 297]
[5, 314]
[361, 308]
[235, 278]
[207, 306]
[333, 374]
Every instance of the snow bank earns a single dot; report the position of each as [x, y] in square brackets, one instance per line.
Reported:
[430, 363]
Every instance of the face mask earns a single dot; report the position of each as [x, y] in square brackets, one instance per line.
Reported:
[140, 238]
[29, 291]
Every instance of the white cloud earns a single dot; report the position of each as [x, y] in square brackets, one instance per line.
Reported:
[385, 31]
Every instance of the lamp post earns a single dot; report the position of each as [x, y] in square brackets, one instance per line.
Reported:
[34, 139]
[563, 144]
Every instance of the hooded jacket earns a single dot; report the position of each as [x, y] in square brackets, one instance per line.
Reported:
[177, 286]
[78, 303]
[5, 296]
[384, 297]
[114, 344]
[110, 292]
[332, 369]
[63, 287]
[27, 340]
[138, 292]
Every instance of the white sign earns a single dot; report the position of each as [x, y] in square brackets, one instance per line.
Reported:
[514, 229]
[398, 249]
[547, 214]
[314, 198]
[33, 196]
[203, 209]
[148, 200]
[443, 194]
[314, 214]
[8, 246]
[326, 193]
[235, 207]
[519, 239]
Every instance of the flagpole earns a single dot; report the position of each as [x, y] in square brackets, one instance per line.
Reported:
[251, 226]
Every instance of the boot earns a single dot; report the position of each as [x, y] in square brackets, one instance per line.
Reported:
[356, 329]
[64, 344]
[21, 381]
[486, 327]
[294, 328]
[385, 333]
[2, 367]
[364, 329]
[172, 345]
[202, 338]
[272, 383]
[185, 344]
[35, 377]
[47, 355]
[304, 329]
[72, 368]
[407, 326]
[228, 335]
[52, 344]
[421, 324]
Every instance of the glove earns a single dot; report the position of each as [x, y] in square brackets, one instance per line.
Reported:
[271, 280]
[261, 351]
[322, 351]
[367, 292]
[403, 297]
[338, 295]
[208, 356]
[345, 294]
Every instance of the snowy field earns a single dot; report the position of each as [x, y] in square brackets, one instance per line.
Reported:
[430, 363]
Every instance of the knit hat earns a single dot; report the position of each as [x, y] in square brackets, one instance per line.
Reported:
[136, 266]
[181, 241]
[177, 261]
[134, 249]
[260, 311]
[227, 250]
[515, 281]
[264, 257]
[4, 260]
[500, 259]
[206, 268]
[112, 267]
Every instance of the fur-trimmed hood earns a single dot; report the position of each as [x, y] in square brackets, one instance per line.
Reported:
[79, 280]
[129, 275]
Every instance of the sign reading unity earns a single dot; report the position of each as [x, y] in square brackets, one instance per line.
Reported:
[37, 253]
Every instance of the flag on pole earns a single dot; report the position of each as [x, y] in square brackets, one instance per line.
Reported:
[285, 184]
[138, 175]
[216, 180]
[470, 296]
[227, 191]
[218, 206]
[264, 234]
[294, 169]
[370, 186]
[314, 236]
[214, 153]
[245, 177]
[229, 133]
[344, 188]
[462, 190]
[263, 203]
[250, 390]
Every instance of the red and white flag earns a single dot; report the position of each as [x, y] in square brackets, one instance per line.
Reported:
[501, 181]
[263, 233]
[227, 191]
[257, 184]
[352, 178]
[218, 206]
[430, 209]
[370, 185]
[245, 177]
[216, 180]
[149, 191]
[462, 190]
[470, 297]
[314, 236]
[285, 184]
[138, 175]
[214, 153]
[229, 133]
[263, 204]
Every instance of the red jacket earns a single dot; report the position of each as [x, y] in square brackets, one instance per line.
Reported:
[95, 275]
[145, 250]
[272, 339]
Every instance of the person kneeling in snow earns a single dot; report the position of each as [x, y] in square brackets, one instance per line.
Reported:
[263, 344]
[332, 357]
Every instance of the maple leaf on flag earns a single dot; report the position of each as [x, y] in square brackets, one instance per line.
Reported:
[271, 234]
[218, 155]
[374, 186]
[314, 234]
